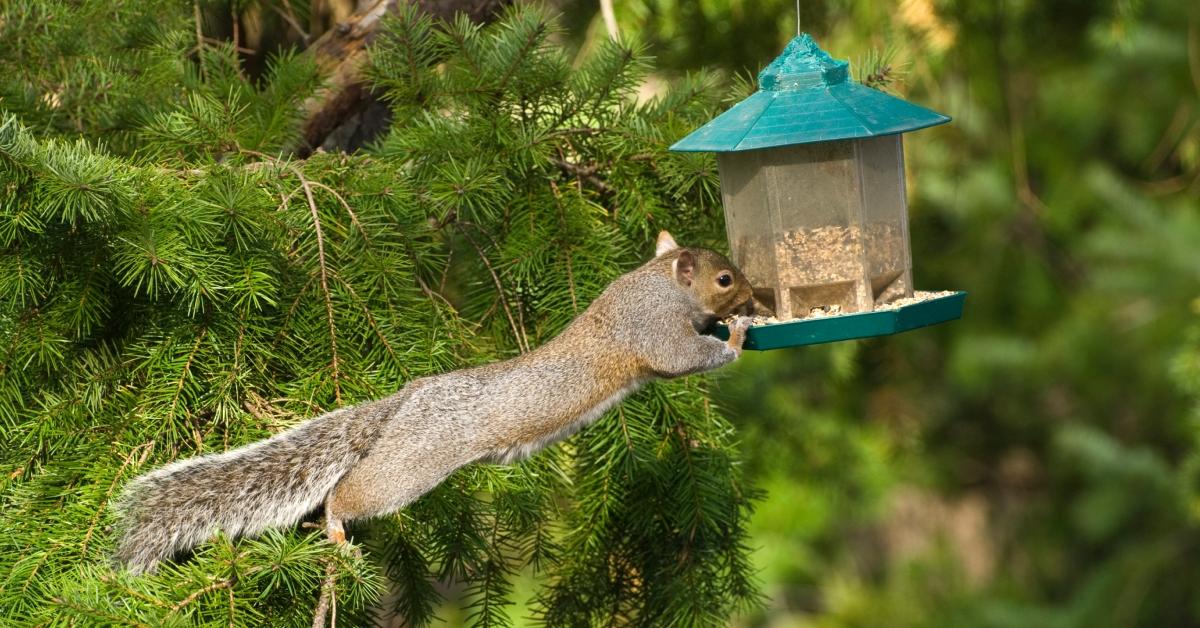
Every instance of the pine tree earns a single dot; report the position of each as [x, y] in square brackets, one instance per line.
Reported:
[173, 283]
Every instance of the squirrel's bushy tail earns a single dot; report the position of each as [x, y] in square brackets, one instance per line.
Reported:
[273, 482]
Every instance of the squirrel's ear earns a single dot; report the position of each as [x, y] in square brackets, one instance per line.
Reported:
[665, 244]
[685, 267]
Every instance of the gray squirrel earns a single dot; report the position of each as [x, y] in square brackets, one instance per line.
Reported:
[375, 458]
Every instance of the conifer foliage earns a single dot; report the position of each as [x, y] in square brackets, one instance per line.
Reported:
[172, 283]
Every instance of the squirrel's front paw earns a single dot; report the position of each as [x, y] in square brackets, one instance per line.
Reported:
[737, 332]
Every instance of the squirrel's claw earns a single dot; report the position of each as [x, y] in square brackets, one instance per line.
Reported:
[737, 332]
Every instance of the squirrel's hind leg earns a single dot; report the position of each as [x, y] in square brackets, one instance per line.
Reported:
[333, 527]
[335, 531]
[390, 478]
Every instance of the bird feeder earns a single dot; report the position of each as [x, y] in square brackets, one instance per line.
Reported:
[812, 178]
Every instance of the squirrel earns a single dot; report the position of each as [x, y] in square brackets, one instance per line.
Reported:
[375, 458]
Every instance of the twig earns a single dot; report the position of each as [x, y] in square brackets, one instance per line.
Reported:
[430, 293]
[130, 591]
[107, 497]
[519, 59]
[374, 325]
[685, 442]
[217, 42]
[281, 163]
[562, 217]
[234, 371]
[29, 580]
[328, 597]
[231, 607]
[187, 367]
[446, 270]
[290, 17]
[624, 426]
[236, 28]
[610, 19]
[579, 130]
[522, 344]
[254, 410]
[199, 39]
[879, 78]
[219, 584]
[307, 187]
[1172, 185]
[115, 620]
[1193, 52]
[312, 206]
[361, 229]
[287, 319]
[587, 173]
[342, 200]
[1170, 137]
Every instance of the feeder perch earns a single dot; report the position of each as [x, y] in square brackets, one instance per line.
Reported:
[812, 178]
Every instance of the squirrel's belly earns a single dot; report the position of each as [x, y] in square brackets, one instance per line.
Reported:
[525, 449]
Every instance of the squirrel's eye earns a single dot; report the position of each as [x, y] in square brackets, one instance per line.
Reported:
[725, 280]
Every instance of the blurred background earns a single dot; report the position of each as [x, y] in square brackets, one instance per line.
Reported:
[1036, 463]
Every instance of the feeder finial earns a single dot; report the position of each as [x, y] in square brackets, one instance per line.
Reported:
[803, 64]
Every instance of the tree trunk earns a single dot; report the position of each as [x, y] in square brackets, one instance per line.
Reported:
[346, 114]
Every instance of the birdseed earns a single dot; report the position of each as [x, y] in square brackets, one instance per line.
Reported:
[919, 296]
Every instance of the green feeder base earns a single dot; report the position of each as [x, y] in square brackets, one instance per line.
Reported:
[849, 326]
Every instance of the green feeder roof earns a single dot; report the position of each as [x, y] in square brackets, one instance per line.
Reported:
[807, 96]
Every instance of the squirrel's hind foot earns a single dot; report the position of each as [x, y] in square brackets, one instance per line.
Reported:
[336, 533]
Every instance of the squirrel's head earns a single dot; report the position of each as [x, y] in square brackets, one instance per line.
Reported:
[716, 283]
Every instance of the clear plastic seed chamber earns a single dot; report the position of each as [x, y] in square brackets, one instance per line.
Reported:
[821, 227]
[812, 179]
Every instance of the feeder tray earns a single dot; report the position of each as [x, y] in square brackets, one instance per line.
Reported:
[813, 331]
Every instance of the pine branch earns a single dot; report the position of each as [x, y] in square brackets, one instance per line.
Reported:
[567, 251]
[111, 619]
[585, 173]
[374, 325]
[195, 595]
[328, 599]
[518, 331]
[879, 69]
[199, 39]
[183, 374]
[316, 220]
[128, 458]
